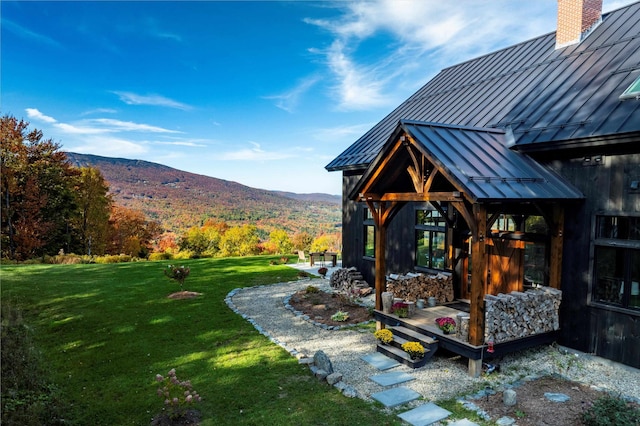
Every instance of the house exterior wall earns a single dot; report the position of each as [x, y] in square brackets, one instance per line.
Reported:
[607, 331]
[400, 256]
[587, 325]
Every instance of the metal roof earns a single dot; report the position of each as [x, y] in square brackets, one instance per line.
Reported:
[542, 94]
[480, 163]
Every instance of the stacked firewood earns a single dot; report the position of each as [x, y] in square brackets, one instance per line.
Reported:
[412, 287]
[516, 315]
[350, 281]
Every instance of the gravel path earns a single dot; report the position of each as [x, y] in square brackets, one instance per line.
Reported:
[441, 378]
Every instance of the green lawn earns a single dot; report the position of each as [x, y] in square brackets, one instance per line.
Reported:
[105, 331]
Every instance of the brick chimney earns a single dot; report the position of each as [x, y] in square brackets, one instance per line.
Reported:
[576, 18]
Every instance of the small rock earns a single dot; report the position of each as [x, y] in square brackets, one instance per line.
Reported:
[556, 397]
[509, 397]
[334, 378]
[321, 374]
[350, 392]
[322, 361]
[340, 386]
[505, 421]
[305, 361]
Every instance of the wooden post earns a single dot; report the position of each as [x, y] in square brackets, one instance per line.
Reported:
[555, 255]
[478, 276]
[381, 267]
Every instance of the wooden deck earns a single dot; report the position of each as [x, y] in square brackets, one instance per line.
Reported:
[423, 322]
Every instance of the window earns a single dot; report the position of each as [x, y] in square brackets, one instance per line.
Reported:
[617, 261]
[632, 92]
[430, 239]
[369, 235]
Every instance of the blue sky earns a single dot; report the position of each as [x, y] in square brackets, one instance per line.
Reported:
[264, 93]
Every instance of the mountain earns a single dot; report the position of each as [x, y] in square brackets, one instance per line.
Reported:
[180, 200]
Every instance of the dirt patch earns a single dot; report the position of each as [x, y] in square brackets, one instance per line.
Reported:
[534, 409]
[184, 295]
[190, 417]
[320, 306]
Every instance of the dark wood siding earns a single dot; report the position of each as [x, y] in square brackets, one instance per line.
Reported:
[400, 235]
[590, 327]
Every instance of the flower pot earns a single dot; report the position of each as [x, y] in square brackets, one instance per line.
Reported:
[411, 308]
[387, 302]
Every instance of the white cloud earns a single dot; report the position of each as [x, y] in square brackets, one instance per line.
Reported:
[27, 34]
[341, 134]
[109, 147]
[74, 129]
[128, 126]
[254, 154]
[421, 37]
[35, 114]
[130, 98]
[100, 111]
[289, 101]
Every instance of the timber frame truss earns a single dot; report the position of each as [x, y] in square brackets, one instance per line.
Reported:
[406, 172]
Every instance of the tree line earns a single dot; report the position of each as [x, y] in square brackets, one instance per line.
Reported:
[49, 207]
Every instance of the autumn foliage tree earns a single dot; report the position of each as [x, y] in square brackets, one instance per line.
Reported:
[48, 205]
[94, 208]
[37, 191]
[130, 232]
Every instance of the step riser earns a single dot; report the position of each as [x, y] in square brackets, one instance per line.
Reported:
[430, 346]
[405, 360]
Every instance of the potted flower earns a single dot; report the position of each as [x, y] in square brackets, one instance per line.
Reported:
[446, 324]
[414, 349]
[384, 335]
[400, 309]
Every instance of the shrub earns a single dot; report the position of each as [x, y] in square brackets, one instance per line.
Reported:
[185, 255]
[312, 289]
[66, 259]
[28, 398]
[611, 411]
[177, 273]
[176, 394]
[340, 316]
[114, 258]
[160, 256]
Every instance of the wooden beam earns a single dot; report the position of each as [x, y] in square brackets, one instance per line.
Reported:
[555, 251]
[429, 182]
[412, 196]
[383, 165]
[478, 276]
[382, 213]
[466, 215]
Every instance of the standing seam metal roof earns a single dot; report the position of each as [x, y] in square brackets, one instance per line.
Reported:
[481, 163]
[478, 162]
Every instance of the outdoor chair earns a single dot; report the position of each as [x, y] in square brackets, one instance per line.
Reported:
[301, 257]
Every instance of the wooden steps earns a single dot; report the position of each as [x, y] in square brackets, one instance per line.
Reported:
[403, 335]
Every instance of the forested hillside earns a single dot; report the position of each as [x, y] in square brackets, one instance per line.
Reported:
[180, 200]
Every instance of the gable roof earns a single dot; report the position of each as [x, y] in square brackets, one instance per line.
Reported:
[542, 94]
[474, 161]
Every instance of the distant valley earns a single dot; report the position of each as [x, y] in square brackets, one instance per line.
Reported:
[180, 200]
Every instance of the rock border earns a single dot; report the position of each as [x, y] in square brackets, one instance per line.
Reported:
[317, 367]
[308, 319]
